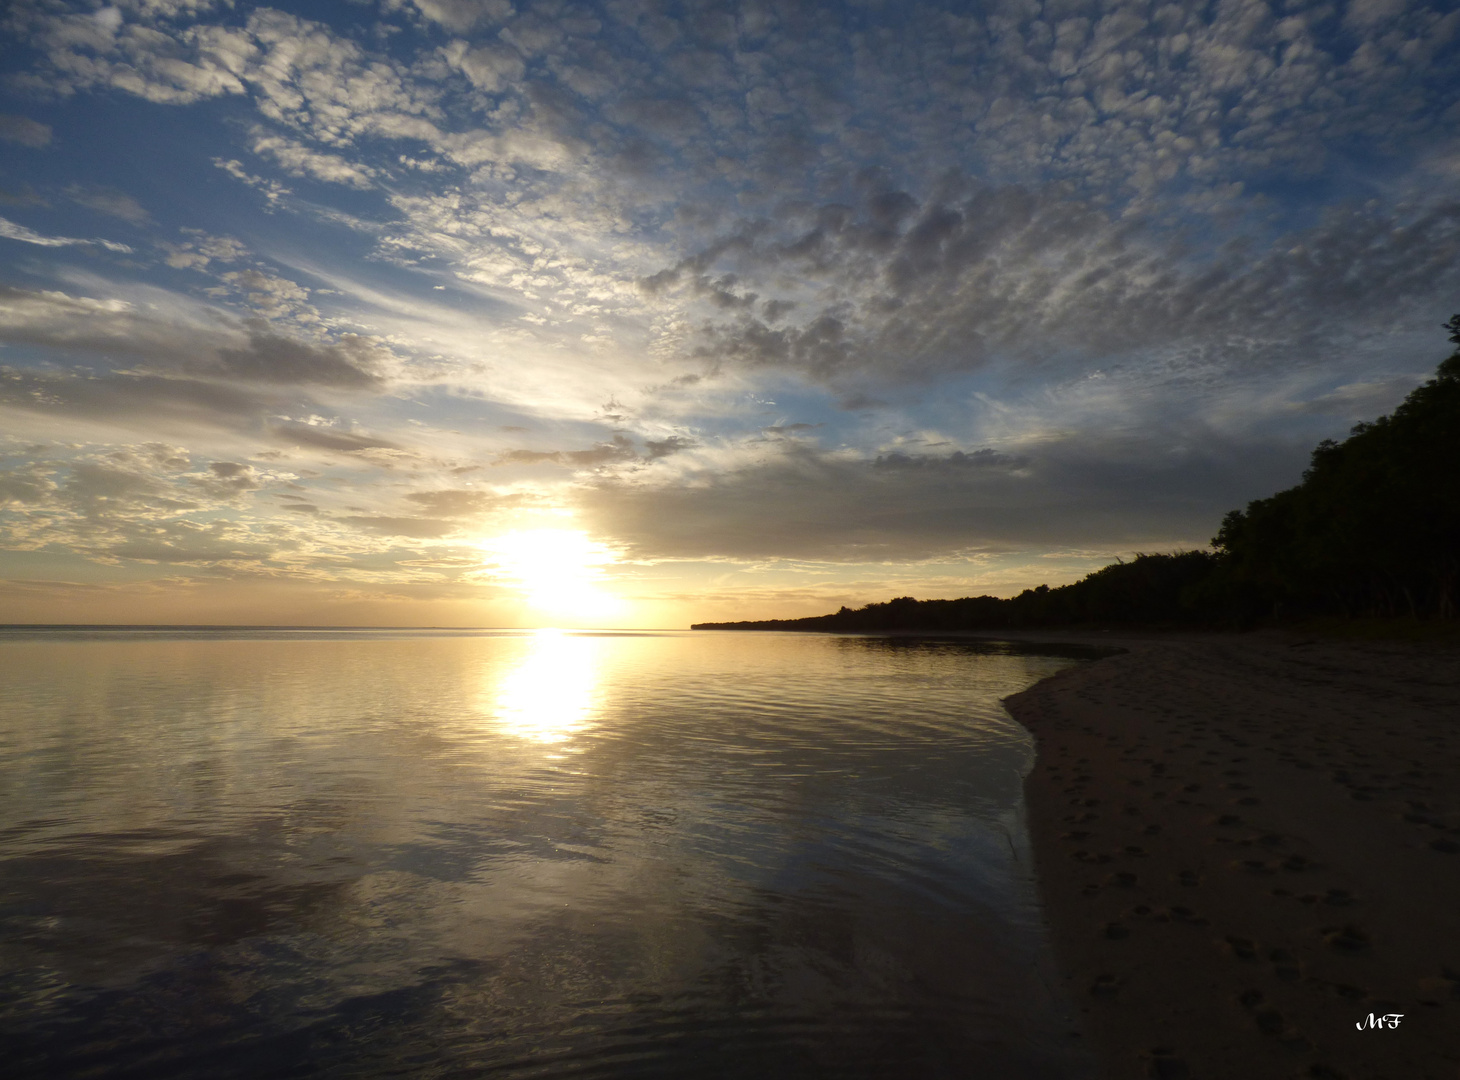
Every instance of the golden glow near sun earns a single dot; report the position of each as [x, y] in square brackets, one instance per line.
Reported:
[558, 571]
[551, 694]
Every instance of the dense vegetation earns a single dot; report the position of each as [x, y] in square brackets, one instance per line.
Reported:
[1373, 530]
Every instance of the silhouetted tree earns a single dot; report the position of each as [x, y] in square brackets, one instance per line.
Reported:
[1373, 529]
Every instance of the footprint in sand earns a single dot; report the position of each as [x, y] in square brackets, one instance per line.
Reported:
[1252, 866]
[1333, 897]
[1186, 915]
[1343, 990]
[1104, 984]
[1446, 984]
[1269, 1021]
[1165, 1065]
[1346, 938]
[1240, 947]
[1285, 965]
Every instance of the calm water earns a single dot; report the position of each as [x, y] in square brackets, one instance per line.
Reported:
[352, 854]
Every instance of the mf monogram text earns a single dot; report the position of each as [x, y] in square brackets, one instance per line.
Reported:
[1390, 1020]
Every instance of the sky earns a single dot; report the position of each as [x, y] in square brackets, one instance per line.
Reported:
[513, 313]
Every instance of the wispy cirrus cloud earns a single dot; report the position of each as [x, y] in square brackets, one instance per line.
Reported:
[9, 230]
[24, 130]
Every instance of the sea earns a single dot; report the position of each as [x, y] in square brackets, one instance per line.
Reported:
[520, 854]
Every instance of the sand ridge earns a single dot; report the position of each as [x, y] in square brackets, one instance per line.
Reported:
[1247, 845]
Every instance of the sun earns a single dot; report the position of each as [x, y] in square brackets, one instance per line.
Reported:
[559, 572]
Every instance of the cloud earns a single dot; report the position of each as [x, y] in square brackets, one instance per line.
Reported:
[1361, 400]
[227, 480]
[1107, 99]
[488, 67]
[803, 504]
[324, 438]
[973, 273]
[104, 49]
[25, 485]
[352, 361]
[135, 401]
[137, 501]
[183, 542]
[674, 444]
[23, 196]
[189, 371]
[462, 502]
[1110, 105]
[274, 192]
[23, 130]
[619, 449]
[299, 160]
[157, 503]
[109, 201]
[272, 296]
[464, 14]
[9, 230]
[192, 344]
[791, 429]
[979, 459]
[1364, 15]
[415, 528]
[198, 253]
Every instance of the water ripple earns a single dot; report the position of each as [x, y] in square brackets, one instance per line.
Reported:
[368, 854]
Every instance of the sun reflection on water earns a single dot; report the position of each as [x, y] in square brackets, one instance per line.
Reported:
[552, 692]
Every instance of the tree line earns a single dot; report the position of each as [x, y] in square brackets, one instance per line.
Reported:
[1372, 530]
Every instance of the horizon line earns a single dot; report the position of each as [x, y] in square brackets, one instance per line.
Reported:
[351, 626]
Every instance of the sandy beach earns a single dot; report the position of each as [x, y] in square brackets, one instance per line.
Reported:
[1248, 845]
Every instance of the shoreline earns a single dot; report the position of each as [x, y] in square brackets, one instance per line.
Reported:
[1247, 844]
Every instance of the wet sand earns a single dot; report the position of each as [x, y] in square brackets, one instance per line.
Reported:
[1246, 845]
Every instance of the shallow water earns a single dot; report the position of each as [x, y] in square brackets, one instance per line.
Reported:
[375, 853]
